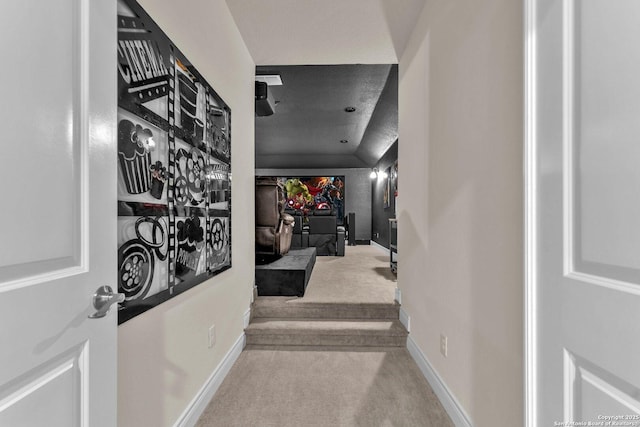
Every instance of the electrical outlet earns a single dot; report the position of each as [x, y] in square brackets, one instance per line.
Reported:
[443, 345]
[212, 336]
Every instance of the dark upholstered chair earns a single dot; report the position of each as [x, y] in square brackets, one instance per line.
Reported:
[300, 233]
[273, 226]
[322, 232]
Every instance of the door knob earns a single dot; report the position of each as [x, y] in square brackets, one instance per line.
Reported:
[103, 299]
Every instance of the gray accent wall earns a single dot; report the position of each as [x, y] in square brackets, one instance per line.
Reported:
[379, 214]
[357, 192]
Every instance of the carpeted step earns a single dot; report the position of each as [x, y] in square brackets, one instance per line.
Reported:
[293, 308]
[336, 332]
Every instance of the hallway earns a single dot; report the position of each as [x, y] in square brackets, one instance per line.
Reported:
[329, 385]
[466, 74]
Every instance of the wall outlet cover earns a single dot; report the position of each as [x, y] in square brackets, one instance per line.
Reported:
[212, 336]
[444, 345]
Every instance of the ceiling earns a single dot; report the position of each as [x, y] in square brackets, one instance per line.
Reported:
[297, 32]
[310, 120]
[307, 38]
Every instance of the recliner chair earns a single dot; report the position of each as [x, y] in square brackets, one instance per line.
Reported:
[322, 231]
[273, 226]
[300, 232]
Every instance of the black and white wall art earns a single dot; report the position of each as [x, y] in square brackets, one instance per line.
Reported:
[174, 168]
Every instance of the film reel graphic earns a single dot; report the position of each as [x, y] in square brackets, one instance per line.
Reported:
[196, 171]
[158, 225]
[136, 258]
[191, 180]
[181, 191]
[136, 269]
[216, 243]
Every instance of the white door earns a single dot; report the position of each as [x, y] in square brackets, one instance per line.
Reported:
[583, 141]
[57, 212]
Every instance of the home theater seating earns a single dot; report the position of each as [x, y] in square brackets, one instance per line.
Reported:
[321, 231]
[273, 225]
[279, 270]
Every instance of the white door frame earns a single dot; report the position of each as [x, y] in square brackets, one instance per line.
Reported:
[530, 218]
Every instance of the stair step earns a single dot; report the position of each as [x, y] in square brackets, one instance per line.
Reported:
[334, 332]
[293, 308]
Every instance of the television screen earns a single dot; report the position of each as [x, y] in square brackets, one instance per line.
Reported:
[305, 194]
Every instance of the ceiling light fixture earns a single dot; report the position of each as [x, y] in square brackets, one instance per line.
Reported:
[343, 141]
[350, 109]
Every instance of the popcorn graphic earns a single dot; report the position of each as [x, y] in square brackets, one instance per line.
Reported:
[134, 146]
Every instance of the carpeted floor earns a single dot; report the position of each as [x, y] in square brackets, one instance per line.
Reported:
[324, 387]
[361, 276]
[281, 386]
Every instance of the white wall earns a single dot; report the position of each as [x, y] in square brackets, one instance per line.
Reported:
[162, 354]
[460, 200]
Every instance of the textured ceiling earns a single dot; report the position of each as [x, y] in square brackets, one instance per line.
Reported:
[310, 118]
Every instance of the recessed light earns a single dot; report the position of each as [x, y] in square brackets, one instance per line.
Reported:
[343, 141]
[350, 109]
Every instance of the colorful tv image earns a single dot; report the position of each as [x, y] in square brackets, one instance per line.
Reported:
[305, 194]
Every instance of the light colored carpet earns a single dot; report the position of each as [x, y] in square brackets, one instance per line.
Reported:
[361, 276]
[359, 285]
[324, 387]
[319, 386]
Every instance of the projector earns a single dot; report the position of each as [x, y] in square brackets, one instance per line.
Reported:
[265, 105]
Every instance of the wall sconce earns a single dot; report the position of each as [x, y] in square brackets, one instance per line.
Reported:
[375, 173]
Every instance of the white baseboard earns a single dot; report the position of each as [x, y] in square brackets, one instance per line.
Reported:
[196, 407]
[379, 246]
[405, 319]
[399, 295]
[246, 318]
[448, 400]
